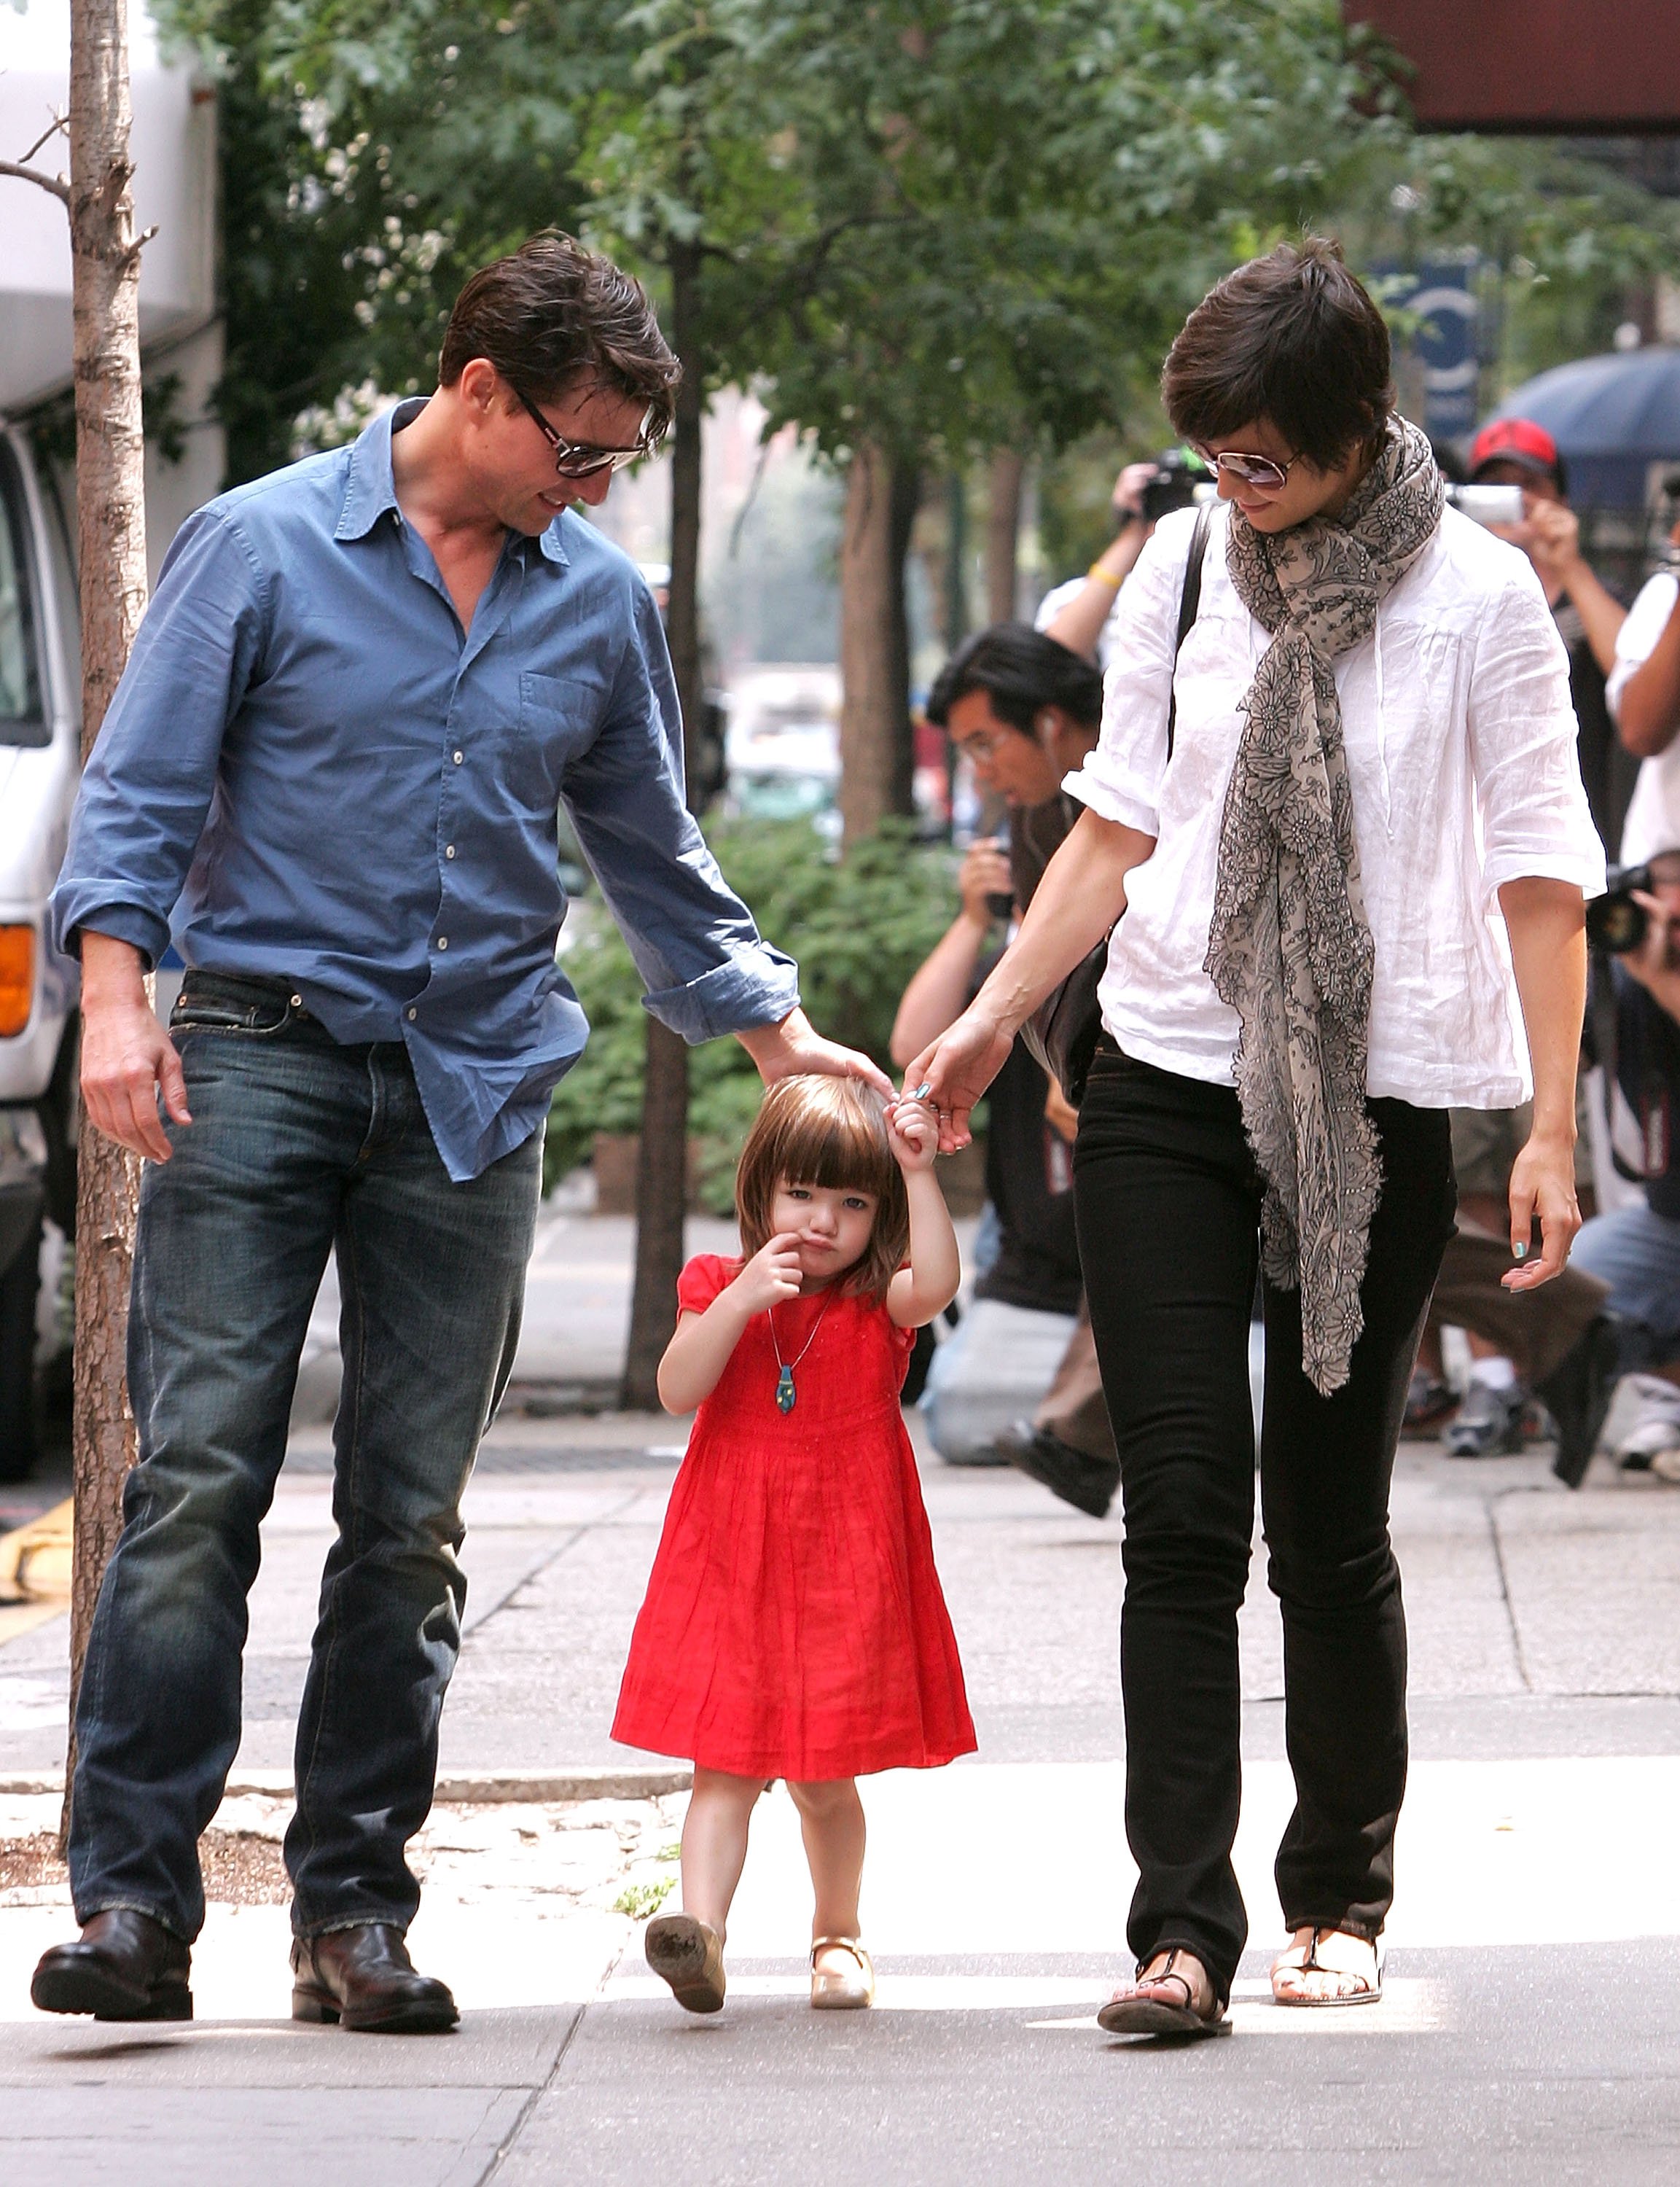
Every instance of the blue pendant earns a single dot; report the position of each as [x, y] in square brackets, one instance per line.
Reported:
[784, 1391]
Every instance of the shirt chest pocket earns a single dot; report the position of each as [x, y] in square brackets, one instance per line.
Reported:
[557, 721]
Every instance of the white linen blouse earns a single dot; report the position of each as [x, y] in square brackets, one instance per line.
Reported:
[1461, 754]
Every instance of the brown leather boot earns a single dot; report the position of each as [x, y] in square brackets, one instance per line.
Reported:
[124, 1966]
[364, 1979]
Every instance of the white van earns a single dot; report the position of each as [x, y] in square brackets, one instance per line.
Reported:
[174, 150]
[39, 728]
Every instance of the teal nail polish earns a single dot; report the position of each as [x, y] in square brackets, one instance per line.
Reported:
[1521, 1251]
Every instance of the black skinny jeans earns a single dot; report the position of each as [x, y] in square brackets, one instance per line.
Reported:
[1168, 1199]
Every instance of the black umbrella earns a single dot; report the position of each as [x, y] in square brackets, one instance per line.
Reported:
[1613, 418]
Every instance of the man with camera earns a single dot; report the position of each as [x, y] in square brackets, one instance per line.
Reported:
[1077, 614]
[1516, 1346]
[1023, 710]
[1634, 1028]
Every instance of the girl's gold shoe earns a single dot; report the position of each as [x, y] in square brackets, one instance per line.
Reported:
[841, 1992]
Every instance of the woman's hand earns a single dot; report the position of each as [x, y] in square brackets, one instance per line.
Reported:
[913, 1133]
[954, 1072]
[983, 872]
[1543, 1184]
[771, 1275]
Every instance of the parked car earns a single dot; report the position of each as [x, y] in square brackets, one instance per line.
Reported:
[40, 707]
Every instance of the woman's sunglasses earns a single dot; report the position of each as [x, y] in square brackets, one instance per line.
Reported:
[578, 460]
[1253, 470]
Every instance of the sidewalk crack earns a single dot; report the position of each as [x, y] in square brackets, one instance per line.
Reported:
[505, 2149]
[474, 1626]
[1498, 1548]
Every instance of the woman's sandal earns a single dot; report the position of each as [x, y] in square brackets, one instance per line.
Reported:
[689, 1954]
[1138, 2011]
[1303, 1959]
[847, 1992]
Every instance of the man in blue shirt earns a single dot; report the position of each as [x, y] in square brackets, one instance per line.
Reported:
[332, 773]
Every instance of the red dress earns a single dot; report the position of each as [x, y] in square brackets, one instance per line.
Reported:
[793, 1625]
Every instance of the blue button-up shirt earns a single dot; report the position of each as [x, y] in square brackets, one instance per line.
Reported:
[310, 772]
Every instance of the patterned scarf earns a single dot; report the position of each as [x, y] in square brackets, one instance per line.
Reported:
[1290, 948]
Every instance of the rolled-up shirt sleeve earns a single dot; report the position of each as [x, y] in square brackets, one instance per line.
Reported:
[1637, 640]
[147, 785]
[1121, 777]
[1536, 821]
[707, 968]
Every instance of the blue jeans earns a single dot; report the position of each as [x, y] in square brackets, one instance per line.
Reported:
[1638, 1254]
[298, 1145]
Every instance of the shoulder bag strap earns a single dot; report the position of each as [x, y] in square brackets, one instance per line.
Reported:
[1189, 603]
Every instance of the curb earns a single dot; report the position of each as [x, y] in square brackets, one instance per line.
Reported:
[472, 1788]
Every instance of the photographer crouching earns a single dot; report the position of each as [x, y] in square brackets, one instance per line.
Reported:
[1634, 1027]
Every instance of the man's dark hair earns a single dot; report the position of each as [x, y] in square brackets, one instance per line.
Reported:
[1292, 338]
[1021, 670]
[554, 314]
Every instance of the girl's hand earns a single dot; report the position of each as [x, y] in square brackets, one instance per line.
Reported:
[913, 1133]
[771, 1275]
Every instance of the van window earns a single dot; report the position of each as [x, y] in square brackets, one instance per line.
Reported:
[22, 716]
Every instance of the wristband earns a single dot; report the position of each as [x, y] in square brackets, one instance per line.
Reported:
[1107, 577]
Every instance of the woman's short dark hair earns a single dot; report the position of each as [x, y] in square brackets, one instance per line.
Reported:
[1021, 670]
[1292, 338]
[554, 313]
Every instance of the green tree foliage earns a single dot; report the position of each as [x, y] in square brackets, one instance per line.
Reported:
[859, 927]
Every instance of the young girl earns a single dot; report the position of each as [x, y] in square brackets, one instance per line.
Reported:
[793, 1625]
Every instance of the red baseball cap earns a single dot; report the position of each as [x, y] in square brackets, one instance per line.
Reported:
[1516, 441]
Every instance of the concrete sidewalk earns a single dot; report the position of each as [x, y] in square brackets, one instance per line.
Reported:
[1534, 1973]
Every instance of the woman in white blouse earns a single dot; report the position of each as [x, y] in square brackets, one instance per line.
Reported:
[1364, 753]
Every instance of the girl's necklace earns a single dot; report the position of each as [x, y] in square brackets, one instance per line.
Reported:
[786, 1395]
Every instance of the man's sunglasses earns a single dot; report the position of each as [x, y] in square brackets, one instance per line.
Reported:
[578, 460]
[1253, 470]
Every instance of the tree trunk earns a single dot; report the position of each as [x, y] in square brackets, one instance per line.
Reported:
[1003, 532]
[876, 760]
[111, 529]
[956, 561]
[661, 1164]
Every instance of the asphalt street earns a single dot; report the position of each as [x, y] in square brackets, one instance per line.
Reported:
[1527, 2034]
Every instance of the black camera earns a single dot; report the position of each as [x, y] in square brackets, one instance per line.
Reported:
[1615, 923]
[1178, 473]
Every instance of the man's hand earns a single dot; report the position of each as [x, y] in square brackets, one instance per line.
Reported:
[1543, 1184]
[1653, 963]
[784, 1050]
[1552, 538]
[1126, 500]
[127, 1057]
[956, 1070]
[985, 871]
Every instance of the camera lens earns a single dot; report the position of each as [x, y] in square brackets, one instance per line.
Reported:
[1617, 924]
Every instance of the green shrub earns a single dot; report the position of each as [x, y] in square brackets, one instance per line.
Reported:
[859, 926]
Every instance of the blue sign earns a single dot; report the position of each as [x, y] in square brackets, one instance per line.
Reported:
[1439, 296]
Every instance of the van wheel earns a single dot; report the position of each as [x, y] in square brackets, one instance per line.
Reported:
[20, 1286]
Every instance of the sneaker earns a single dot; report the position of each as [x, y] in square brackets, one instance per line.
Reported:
[1488, 1424]
[1428, 1403]
[1087, 1483]
[1645, 1420]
